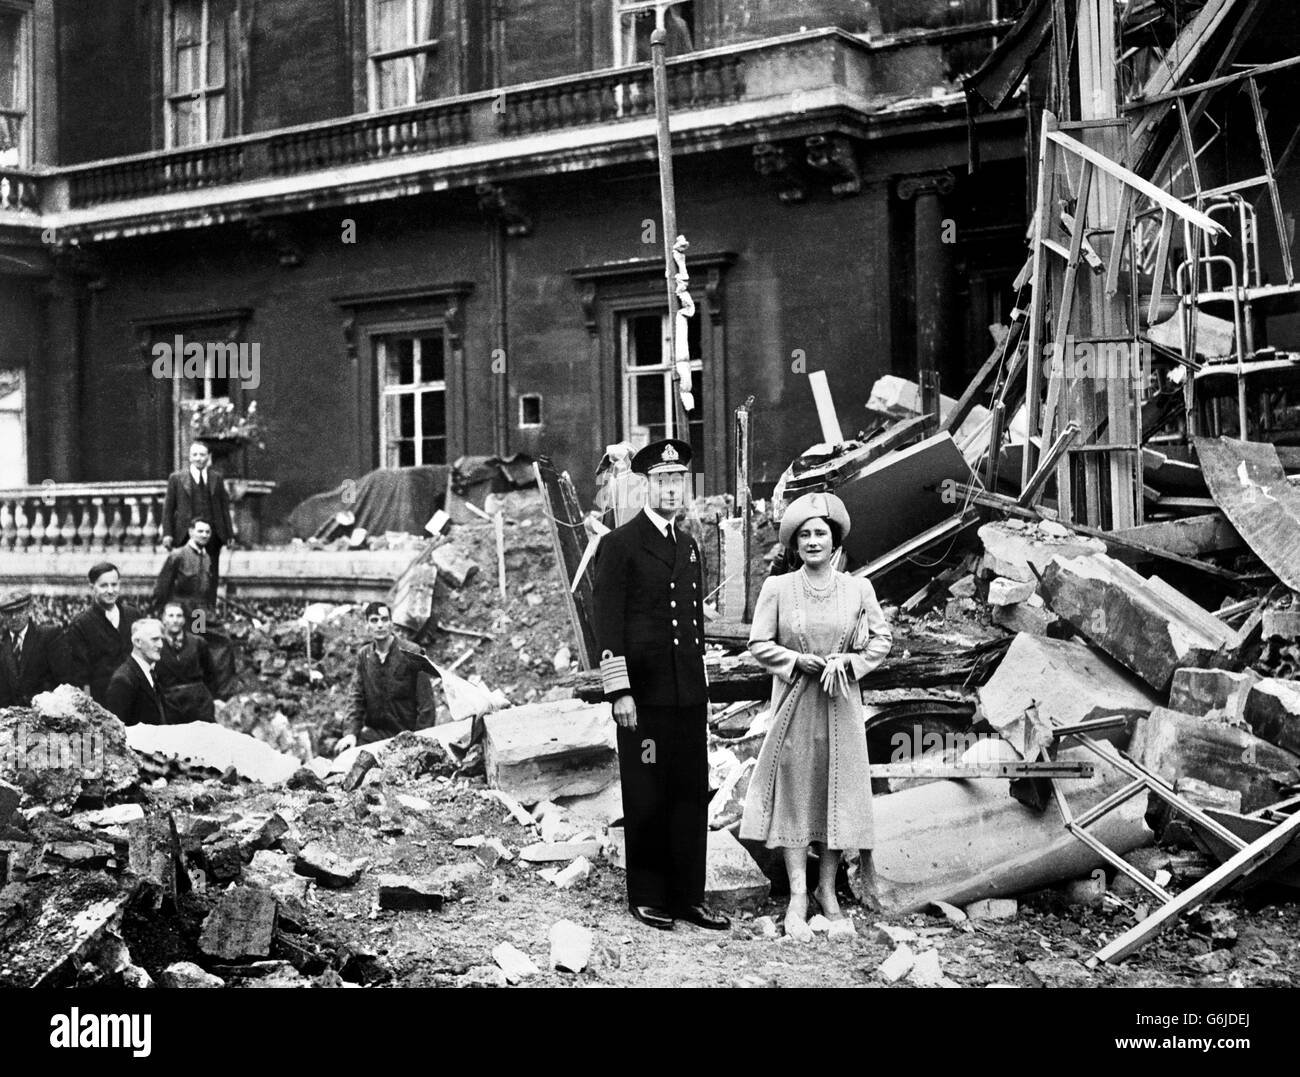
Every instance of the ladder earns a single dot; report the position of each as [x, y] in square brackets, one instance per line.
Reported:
[1143, 780]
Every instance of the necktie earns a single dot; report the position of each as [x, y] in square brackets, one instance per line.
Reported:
[15, 647]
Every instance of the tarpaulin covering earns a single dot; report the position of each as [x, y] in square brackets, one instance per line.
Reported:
[388, 499]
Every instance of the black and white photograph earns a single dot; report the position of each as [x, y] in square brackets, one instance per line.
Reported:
[655, 494]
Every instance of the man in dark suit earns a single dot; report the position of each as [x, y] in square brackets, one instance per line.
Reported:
[98, 639]
[199, 490]
[26, 652]
[184, 673]
[132, 694]
[649, 622]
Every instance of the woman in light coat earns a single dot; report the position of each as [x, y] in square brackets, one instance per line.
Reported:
[819, 631]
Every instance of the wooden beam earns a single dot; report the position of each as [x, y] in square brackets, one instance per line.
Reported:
[963, 771]
[1161, 198]
[1111, 538]
[1031, 494]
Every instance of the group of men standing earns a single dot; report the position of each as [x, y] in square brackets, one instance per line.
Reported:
[143, 669]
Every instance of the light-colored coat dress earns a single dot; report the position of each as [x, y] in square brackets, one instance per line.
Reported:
[813, 779]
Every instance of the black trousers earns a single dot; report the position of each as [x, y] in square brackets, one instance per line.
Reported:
[663, 764]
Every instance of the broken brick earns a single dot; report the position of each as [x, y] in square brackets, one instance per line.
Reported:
[241, 925]
[328, 869]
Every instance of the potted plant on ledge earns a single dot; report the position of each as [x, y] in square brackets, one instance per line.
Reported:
[219, 425]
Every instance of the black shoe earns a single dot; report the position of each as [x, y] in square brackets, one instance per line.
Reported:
[702, 916]
[653, 917]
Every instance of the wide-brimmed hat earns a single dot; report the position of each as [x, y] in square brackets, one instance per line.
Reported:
[663, 456]
[805, 508]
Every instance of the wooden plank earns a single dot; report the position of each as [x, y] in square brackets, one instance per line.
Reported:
[569, 540]
[1192, 536]
[1247, 482]
[732, 679]
[1038, 293]
[964, 771]
[1124, 175]
[1240, 864]
[1032, 492]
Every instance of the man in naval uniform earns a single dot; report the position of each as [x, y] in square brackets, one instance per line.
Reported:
[649, 622]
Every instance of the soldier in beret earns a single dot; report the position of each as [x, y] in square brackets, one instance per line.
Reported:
[649, 623]
[26, 652]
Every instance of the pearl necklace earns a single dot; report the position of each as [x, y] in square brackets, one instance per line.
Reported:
[817, 594]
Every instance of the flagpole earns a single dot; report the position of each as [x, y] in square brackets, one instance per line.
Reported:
[675, 421]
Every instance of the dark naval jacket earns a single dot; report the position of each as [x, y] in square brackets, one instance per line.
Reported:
[649, 621]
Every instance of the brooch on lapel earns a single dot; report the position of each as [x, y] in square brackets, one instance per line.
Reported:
[692, 557]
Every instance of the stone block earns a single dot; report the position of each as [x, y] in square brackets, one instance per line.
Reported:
[188, 974]
[1065, 680]
[1144, 624]
[732, 880]
[546, 750]
[453, 564]
[896, 965]
[329, 870]
[1031, 617]
[1178, 746]
[544, 852]
[240, 926]
[1211, 692]
[1005, 592]
[570, 946]
[516, 964]
[1273, 712]
[362, 765]
[1010, 550]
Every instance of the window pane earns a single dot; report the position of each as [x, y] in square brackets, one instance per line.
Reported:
[217, 54]
[187, 69]
[400, 356]
[186, 130]
[187, 20]
[428, 16]
[406, 415]
[431, 359]
[645, 332]
[426, 77]
[435, 451]
[11, 87]
[391, 87]
[433, 413]
[647, 408]
[405, 454]
[390, 24]
[217, 116]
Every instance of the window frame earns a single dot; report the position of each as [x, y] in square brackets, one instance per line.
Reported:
[428, 47]
[25, 51]
[172, 98]
[379, 335]
[420, 307]
[610, 291]
[20, 389]
[623, 32]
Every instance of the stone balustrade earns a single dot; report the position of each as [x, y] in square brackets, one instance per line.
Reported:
[103, 516]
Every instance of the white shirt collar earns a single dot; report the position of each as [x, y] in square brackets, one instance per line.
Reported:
[148, 669]
[198, 474]
[660, 523]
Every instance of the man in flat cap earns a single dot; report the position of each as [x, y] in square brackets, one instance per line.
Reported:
[649, 623]
[26, 652]
[99, 639]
